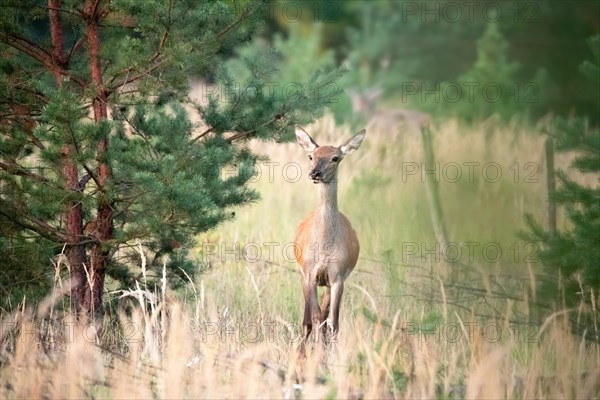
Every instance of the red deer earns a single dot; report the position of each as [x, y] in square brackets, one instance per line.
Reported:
[393, 120]
[326, 247]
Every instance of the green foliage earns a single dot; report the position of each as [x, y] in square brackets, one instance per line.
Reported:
[489, 88]
[301, 53]
[573, 255]
[410, 50]
[588, 68]
[285, 78]
[172, 178]
[372, 49]
[18, 283]
[169, 189]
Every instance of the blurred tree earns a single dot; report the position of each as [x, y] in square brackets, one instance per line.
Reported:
[298, 55]
[551, 36]
[402, 45]
[572, 256]
[98, 153]
[330, 17]
[491, 87]
[492, 67]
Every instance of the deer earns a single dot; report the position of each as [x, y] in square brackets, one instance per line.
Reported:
[326, 247]
[363, 103]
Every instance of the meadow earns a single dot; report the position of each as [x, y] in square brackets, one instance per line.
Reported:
[418, 319]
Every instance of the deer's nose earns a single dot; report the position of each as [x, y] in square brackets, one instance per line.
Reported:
[315, 174]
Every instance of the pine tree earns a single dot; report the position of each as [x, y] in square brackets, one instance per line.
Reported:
[572, 256]
[98, 153]
[489, 87]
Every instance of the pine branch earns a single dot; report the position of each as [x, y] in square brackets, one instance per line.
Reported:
[16, 169]
[75, 47]
[149, 148]
[240, 135]
[32, 223]
[24, 87]
[152, 60]
[90, 174]
[246, 134]
[200, 136]
[243, 16]
[26, 119]
[131, 79]
[39, 54]
[76, 13]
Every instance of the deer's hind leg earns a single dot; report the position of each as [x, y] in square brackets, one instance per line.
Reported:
[312, 313]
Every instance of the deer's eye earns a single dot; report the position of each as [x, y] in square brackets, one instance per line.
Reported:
[310, 158]
[335, 159]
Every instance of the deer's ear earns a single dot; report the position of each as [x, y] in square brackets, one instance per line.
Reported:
[304, 140]
[353, 143]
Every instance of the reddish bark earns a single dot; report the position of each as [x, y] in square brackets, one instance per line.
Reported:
[57, 35]
[75, 252]
[99, 255]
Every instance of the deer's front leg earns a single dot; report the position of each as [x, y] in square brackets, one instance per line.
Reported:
[337, 289]
[325, 302]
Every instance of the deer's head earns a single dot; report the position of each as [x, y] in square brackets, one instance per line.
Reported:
[324, 160]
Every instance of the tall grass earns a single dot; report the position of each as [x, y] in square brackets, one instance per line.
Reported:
[191, 350]
[406, 332]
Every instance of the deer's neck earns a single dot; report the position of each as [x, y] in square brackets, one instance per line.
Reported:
[327, 209]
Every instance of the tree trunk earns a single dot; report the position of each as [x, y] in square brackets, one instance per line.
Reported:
[74, 251]
[91, 300]
[432, 190]
[551, 186]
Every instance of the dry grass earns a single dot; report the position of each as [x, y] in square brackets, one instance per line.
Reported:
[405, 331]
[183, 352]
